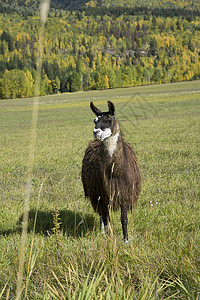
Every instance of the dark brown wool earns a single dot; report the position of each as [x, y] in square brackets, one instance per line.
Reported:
[111, 182]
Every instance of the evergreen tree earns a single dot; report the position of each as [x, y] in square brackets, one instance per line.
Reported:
[75, 81]
[6, 36]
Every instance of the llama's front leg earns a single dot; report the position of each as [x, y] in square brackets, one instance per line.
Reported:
[104, 221]
[124, 221]
[102, 226]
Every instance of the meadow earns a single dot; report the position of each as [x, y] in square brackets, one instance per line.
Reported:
[67, 257]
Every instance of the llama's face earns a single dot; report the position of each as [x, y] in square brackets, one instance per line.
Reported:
[104, 122]
[103, 127]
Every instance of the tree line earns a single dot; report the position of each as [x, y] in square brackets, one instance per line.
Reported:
[86, 50]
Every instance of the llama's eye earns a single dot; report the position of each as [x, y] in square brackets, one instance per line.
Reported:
[96, 120]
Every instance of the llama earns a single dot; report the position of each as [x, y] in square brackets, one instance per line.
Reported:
[110, 173]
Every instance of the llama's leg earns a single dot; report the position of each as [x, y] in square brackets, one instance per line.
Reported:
[104, 221]
[102, 227]
[124, 221]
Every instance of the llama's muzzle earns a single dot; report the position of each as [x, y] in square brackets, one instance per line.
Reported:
[97, 133]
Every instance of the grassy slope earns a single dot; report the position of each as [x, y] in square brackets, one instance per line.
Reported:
[162, 258]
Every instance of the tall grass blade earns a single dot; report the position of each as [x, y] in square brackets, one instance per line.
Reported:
[1, 294]
[44, 11]
[32, 242]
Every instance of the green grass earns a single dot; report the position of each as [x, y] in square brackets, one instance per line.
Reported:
[67, 257]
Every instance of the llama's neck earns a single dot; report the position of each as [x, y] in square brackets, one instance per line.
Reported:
[111, 143]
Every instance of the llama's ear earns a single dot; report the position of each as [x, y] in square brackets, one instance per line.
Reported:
[95, 110]
[111, 108]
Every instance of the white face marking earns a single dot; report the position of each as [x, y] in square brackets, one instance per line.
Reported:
[97, 118]
[111, 144]
[102, 134]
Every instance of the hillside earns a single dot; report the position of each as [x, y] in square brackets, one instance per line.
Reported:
[31, 5]
[98, 45]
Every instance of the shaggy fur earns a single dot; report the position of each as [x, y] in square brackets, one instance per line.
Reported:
[111, 181]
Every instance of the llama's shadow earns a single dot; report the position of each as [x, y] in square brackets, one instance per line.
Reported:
[70, 223]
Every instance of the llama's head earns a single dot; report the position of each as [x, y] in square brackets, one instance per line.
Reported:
[105, 122]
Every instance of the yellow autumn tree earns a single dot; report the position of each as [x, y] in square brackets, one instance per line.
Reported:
[103, 82]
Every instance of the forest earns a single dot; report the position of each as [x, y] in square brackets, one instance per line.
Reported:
[98, 45]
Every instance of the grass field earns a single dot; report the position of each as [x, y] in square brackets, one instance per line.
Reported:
[67, 257]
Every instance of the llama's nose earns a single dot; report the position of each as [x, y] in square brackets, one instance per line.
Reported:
[95, 132]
